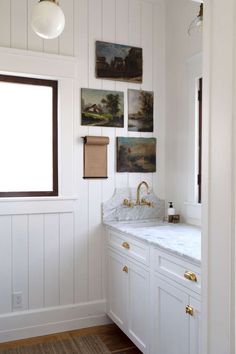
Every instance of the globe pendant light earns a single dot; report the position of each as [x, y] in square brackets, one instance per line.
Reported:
[48, 20]
[196, 24]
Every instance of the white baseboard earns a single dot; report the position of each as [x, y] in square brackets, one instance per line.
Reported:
[26, 324]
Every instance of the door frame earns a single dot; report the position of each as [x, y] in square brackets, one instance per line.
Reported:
[218, 187]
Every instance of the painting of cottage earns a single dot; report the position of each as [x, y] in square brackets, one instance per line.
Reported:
[136, 154]
[140, 111]
[102, 108]
[119, 62]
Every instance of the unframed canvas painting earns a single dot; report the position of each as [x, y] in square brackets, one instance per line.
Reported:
[119, 62]
[102, 108]
[136, 154]
[140, 111]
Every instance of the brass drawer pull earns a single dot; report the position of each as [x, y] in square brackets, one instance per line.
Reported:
[126, 245]
[189, 310]
[125, 269]
[190, 276]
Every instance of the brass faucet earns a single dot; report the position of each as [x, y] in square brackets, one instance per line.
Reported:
[131, 204]
[138, 201]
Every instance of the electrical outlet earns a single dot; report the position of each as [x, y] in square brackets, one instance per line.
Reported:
[17, 300]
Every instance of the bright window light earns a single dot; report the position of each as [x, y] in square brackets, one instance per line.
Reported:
[26, 139]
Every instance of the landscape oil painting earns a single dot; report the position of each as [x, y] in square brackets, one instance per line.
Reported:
[136, 154]
[140, 111]
[102, 108]
[119, 62]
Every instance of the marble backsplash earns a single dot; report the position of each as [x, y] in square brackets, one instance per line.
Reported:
[115, 210]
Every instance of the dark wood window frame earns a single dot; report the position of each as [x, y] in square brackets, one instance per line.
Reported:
[54, 85]
[199, 176]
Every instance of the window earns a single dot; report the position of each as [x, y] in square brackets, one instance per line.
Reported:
[28, 137]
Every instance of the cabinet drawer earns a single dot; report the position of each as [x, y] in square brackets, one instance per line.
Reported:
[181, 271]
[128, 246]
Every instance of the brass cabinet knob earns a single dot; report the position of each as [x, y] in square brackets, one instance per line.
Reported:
[125, 269]
[189, 310]
[190, 276]
[126, 245]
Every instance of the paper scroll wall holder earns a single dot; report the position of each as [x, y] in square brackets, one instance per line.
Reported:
[95, 156]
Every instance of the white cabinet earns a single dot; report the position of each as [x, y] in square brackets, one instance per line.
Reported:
[138, 304]
[148, 292]
[175, 330]
[117, 289]
[127, 301]
[195, 326]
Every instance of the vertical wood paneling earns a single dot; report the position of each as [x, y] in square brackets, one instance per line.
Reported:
[51, 46]
[135, 29]
[66, 100]
[5, 264]
[146, 43]
[5, 23]
[122, 36]
[135, 22]
[19, 23]
[34, 41]
[95, 186]
[51, 260]
[108, 35]
[95, 33]
[66, 259]
[108, 185]
[81, 32]
[66, 45]
[95, 241]
[20, 257]
[159, 93]
[36, 261]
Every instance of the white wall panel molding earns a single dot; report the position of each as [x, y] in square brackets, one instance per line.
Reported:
[36, 206]
[29, 62]
[52, 320]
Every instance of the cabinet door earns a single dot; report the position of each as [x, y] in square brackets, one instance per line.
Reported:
[195, 329]
[117, 289]
[171, 326]
[138, 306]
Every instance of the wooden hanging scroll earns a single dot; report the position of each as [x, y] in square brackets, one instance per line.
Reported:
[95, 156]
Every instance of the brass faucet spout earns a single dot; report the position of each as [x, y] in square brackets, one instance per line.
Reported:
[138, 202]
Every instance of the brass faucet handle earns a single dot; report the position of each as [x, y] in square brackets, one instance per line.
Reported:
[125, 202]
[147, 202]
[128, 203]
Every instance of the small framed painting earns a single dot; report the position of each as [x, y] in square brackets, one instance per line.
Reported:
[102, 108]
[136, 154]
[140, 111]
[119, 62]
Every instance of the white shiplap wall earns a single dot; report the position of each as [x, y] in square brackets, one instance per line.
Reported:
[54, 256]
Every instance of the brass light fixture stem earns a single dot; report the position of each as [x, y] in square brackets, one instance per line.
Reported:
[55, 1]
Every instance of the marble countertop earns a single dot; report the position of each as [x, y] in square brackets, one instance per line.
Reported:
[181, 239]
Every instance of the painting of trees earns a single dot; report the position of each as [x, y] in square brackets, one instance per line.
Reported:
[140, 110]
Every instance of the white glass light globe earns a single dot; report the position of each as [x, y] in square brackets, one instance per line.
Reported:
[48, 20]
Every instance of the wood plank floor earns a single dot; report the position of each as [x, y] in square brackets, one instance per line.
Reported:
[115, 340]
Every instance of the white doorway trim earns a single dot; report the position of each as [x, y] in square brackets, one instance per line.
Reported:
[218, 251]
